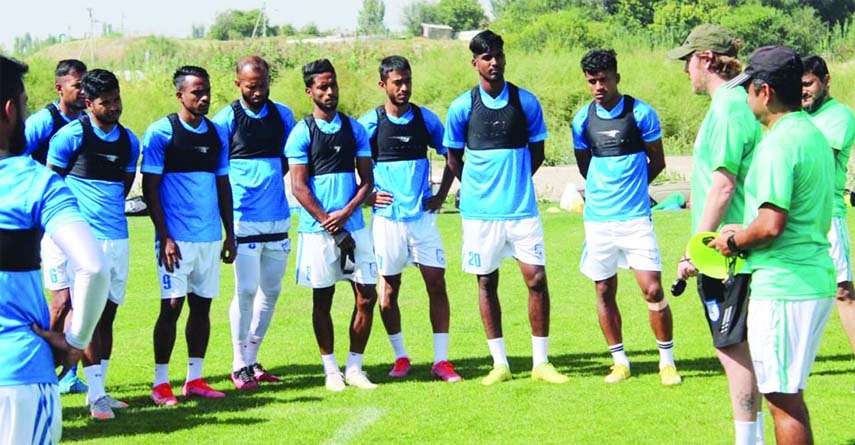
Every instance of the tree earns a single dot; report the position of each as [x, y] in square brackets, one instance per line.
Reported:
[371, 17]
[418, 12]
[460, 14]
[198, 31]
[233, 24]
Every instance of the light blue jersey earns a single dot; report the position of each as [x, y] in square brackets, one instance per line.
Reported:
[189, 199]
[496, 184]
[333, 191]
[101, 202]
[616, 186]
[408, 180]
[33, 198]
[39, 127]
[258, 189]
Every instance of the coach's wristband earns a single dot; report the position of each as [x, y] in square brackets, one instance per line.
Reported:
[731, 245]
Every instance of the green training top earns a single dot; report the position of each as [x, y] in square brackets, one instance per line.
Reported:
[793, 169]
[837, 123]
[726, 140]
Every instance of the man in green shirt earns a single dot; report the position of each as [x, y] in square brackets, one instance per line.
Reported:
[837, 123]
[788, 194]
[721, 157]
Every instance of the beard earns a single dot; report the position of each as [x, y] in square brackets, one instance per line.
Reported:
[817, 102]
[18, 143]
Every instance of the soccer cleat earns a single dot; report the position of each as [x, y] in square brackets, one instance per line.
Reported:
[545, 372]
[261, 375]
[162, 395]
[499, 373]
[243, 379]
[401, 367]
[115, 404]
[101, 410]
[200, 388]
[669, 377]
[359, 380]
[71, 384]
[444, 371]
[619, 373]
[334, 381]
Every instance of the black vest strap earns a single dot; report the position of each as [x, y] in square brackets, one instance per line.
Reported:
[100, 159]
[191, 152]
[262, 238]
[506, 127]
[40, 154]
[393, 142]
[331, 153]
[19, 250]
[614, 137]
[256, 138]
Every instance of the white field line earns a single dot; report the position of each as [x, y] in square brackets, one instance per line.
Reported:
[359, 420]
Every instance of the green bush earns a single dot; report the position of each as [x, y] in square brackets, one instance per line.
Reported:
[569, 28]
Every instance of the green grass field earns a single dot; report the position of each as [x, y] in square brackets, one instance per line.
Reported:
[422, 410]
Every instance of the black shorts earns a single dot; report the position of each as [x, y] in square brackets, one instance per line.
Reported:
[726, 308]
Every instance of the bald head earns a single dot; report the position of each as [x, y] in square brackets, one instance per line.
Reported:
[253, 81]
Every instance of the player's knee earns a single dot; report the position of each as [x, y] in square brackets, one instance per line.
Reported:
[658, 306]
[653, 293]
[537, 281]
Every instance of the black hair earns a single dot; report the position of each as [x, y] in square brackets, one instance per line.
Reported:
[788, 93]
[486, 41]
[97, 82]
[815, 65]
[187, 70]
[68, 66]
[393, 63]
[599, 60]
[315, 67]
[11, 79]
[256, 62]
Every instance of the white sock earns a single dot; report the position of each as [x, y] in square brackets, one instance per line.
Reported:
[105, 363]
[194, 368]
[497, 350]
[252, 345]
[95, 380]
[330, 364]
[761, 438]
[440, 347]
[539, 350]
[666, 353]
[238, 350]
[354, 363]
[161, 374]
[397, 341]
[619, 355]
[746, 433]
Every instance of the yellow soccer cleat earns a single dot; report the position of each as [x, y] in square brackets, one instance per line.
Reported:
[500, 373]
[619, 373]
[545, 372]
[668, 375]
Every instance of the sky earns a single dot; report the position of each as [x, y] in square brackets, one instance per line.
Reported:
[174, 18]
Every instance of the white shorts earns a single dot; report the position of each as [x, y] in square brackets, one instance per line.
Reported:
[198, 272]
[784, 338]
[627, 244]
[55, 267]
[838, 236]
[487, 243]
[116, 261]
[319, 260]
[31, 414]
[398, 244]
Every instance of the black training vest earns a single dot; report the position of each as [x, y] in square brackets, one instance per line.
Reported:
[331, 153]
[19, 250]
[614, 137]
[40, 154]
[257, 138]
[506, 127]
[394, 142]
[191, 152]
[100, 159]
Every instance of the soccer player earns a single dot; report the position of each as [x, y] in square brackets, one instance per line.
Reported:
[334, 244]
[500, 128]
[788, 206]
[185, 170]
[404, 223]
[40, 128]
[722, 155]
[35, 200]
[836, 122]
[98, 158]
[618, 148]
[257, 129]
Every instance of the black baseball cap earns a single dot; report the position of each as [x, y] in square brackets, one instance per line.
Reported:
[776, 65]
